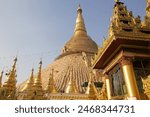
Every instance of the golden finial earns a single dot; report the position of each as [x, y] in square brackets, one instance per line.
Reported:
[71, 87]
[80, 26]
[15, 59]
[38, 79]
[79, 10]
[14, 65]
[40, 68]
[12, 73]
[40, 62]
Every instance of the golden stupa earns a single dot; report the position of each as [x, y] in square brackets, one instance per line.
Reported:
[119, 70]
[71, 68]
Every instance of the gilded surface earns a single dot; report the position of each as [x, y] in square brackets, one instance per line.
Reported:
[124, 25]
[146, 85]
[63, 79]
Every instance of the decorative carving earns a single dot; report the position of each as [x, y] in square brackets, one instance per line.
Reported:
[138, 21]
[146, 83]
[146, 23]
[148, 6]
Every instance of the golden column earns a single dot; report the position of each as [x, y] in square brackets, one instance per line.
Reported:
[107, 81]
[129, 77]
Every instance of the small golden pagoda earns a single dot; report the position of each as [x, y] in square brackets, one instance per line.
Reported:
[125, 57]
[37, 86]
[78, 53]
[8, 90]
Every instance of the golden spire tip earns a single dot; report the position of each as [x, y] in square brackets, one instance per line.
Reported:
[79, 6]
[79, 10]
[15, 59]
[32, 69]
[40, 62]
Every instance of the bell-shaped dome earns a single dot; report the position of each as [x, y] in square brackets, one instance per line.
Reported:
[80, 41]
[75, 60]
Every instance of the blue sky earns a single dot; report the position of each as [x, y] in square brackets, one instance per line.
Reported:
[32, 29]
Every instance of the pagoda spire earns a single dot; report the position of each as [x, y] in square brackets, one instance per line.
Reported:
[1, 76]
[9, 86]
[91, 89]
[27, 91]
[51, 87]
[38, 80]
[80, 26]
[80, 41]
[38, 91]
[13, 70]
[71, 87]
